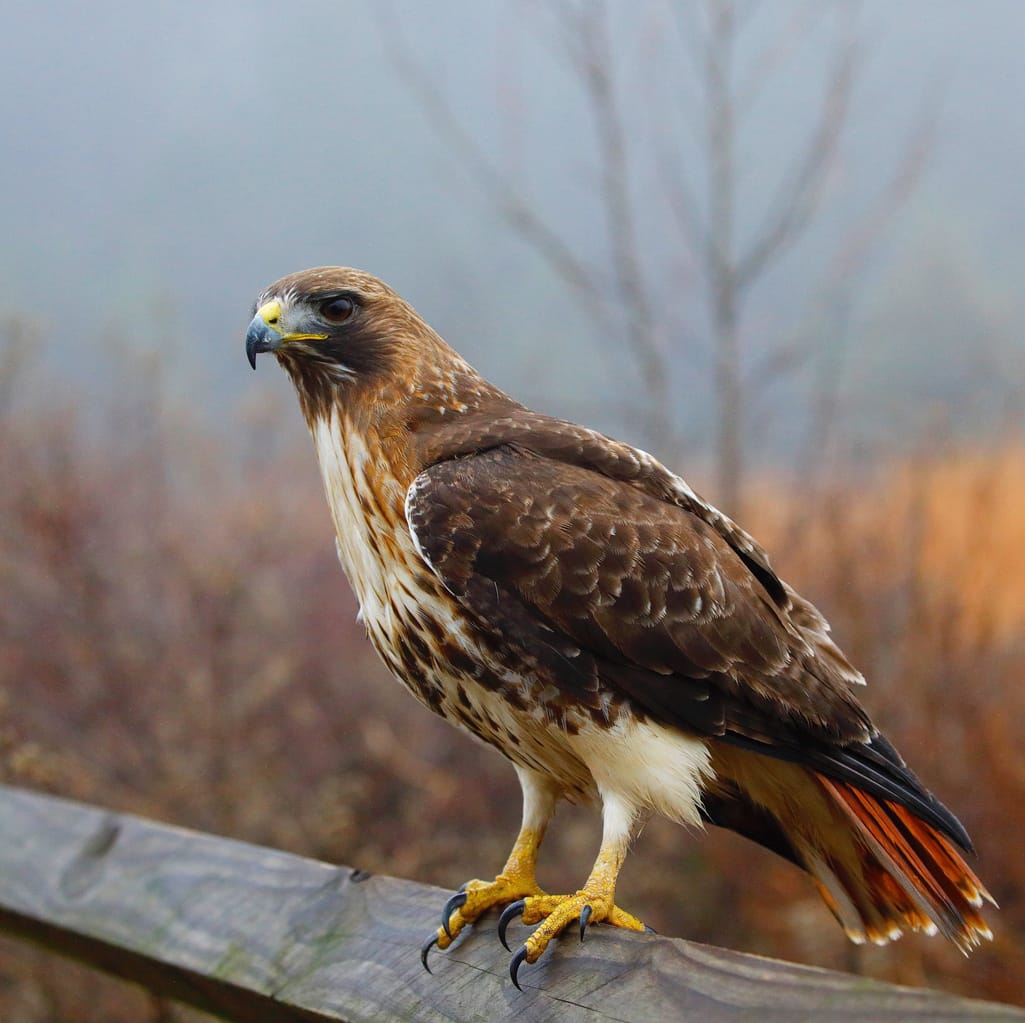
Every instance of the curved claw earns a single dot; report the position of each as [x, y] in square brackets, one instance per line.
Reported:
[585, 916]
[514, 909]
[457, 900]
[425, 948]
[649, 930]
[515, 964]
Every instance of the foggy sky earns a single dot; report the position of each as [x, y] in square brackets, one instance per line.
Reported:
[162, 163]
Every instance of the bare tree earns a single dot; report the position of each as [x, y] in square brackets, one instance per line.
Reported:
[704, 190]
[732, 267]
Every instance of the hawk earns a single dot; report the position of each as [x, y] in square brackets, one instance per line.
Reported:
[568, 600]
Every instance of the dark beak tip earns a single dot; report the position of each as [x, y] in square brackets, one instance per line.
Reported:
[260, 338]
[253, 347]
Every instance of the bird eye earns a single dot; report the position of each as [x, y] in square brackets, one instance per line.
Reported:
[337, 310]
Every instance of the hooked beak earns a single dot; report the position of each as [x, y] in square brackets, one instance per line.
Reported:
[260, 338]
[265, 332]
[262, 335]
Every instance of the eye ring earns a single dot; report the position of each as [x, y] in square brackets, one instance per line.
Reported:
[337, 310]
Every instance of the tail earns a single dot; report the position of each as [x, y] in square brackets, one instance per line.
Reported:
[910, 876]
[881, 867]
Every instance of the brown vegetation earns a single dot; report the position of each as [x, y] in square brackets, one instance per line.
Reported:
[176, 639]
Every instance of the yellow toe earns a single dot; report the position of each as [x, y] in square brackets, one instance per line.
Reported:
[557, 912]
[478, 897]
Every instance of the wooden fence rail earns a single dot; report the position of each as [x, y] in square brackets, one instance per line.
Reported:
[255, 934]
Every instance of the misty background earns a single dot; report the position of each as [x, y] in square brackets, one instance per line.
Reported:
[162, 163]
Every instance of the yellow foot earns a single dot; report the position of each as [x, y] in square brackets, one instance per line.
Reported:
[557, 913]
[472, 901]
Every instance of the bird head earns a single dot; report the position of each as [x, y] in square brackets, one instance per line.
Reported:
[341, 320]
[347, 340]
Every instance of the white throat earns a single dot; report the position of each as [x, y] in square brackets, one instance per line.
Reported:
[368, 519]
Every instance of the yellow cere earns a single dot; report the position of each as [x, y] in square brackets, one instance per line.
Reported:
[270, 313]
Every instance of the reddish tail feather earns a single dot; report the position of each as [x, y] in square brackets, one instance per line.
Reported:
[913, 878]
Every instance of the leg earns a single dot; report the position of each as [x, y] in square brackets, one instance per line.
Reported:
[516, 880]
[594, 902]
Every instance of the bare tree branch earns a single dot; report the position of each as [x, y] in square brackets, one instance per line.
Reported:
[796, 202]
[585, 33]
[782, 360]
[581, 278]
[720, 258]
[682, 202]
[591, 52]
[693, 36]
[834, 287]
[847, 265]
[902, 184]
[776, 54]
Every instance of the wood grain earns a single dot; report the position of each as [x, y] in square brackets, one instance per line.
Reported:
[252, 933]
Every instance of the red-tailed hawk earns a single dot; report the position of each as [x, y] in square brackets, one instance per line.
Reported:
[573, 603]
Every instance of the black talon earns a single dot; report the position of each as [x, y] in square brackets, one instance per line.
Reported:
[514, 966]
[649, 930]
[585, 915]
[425, 948]
[457, 900]
[514, 909]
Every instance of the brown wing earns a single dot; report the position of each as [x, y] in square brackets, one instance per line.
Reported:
[674, 615]
[608, 587]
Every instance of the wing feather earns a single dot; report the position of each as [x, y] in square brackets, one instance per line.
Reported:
[598, 563]
[654, 591]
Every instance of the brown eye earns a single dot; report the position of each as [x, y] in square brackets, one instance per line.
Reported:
[337, 310]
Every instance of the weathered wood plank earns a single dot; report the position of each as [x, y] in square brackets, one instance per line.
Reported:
[254, 933]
